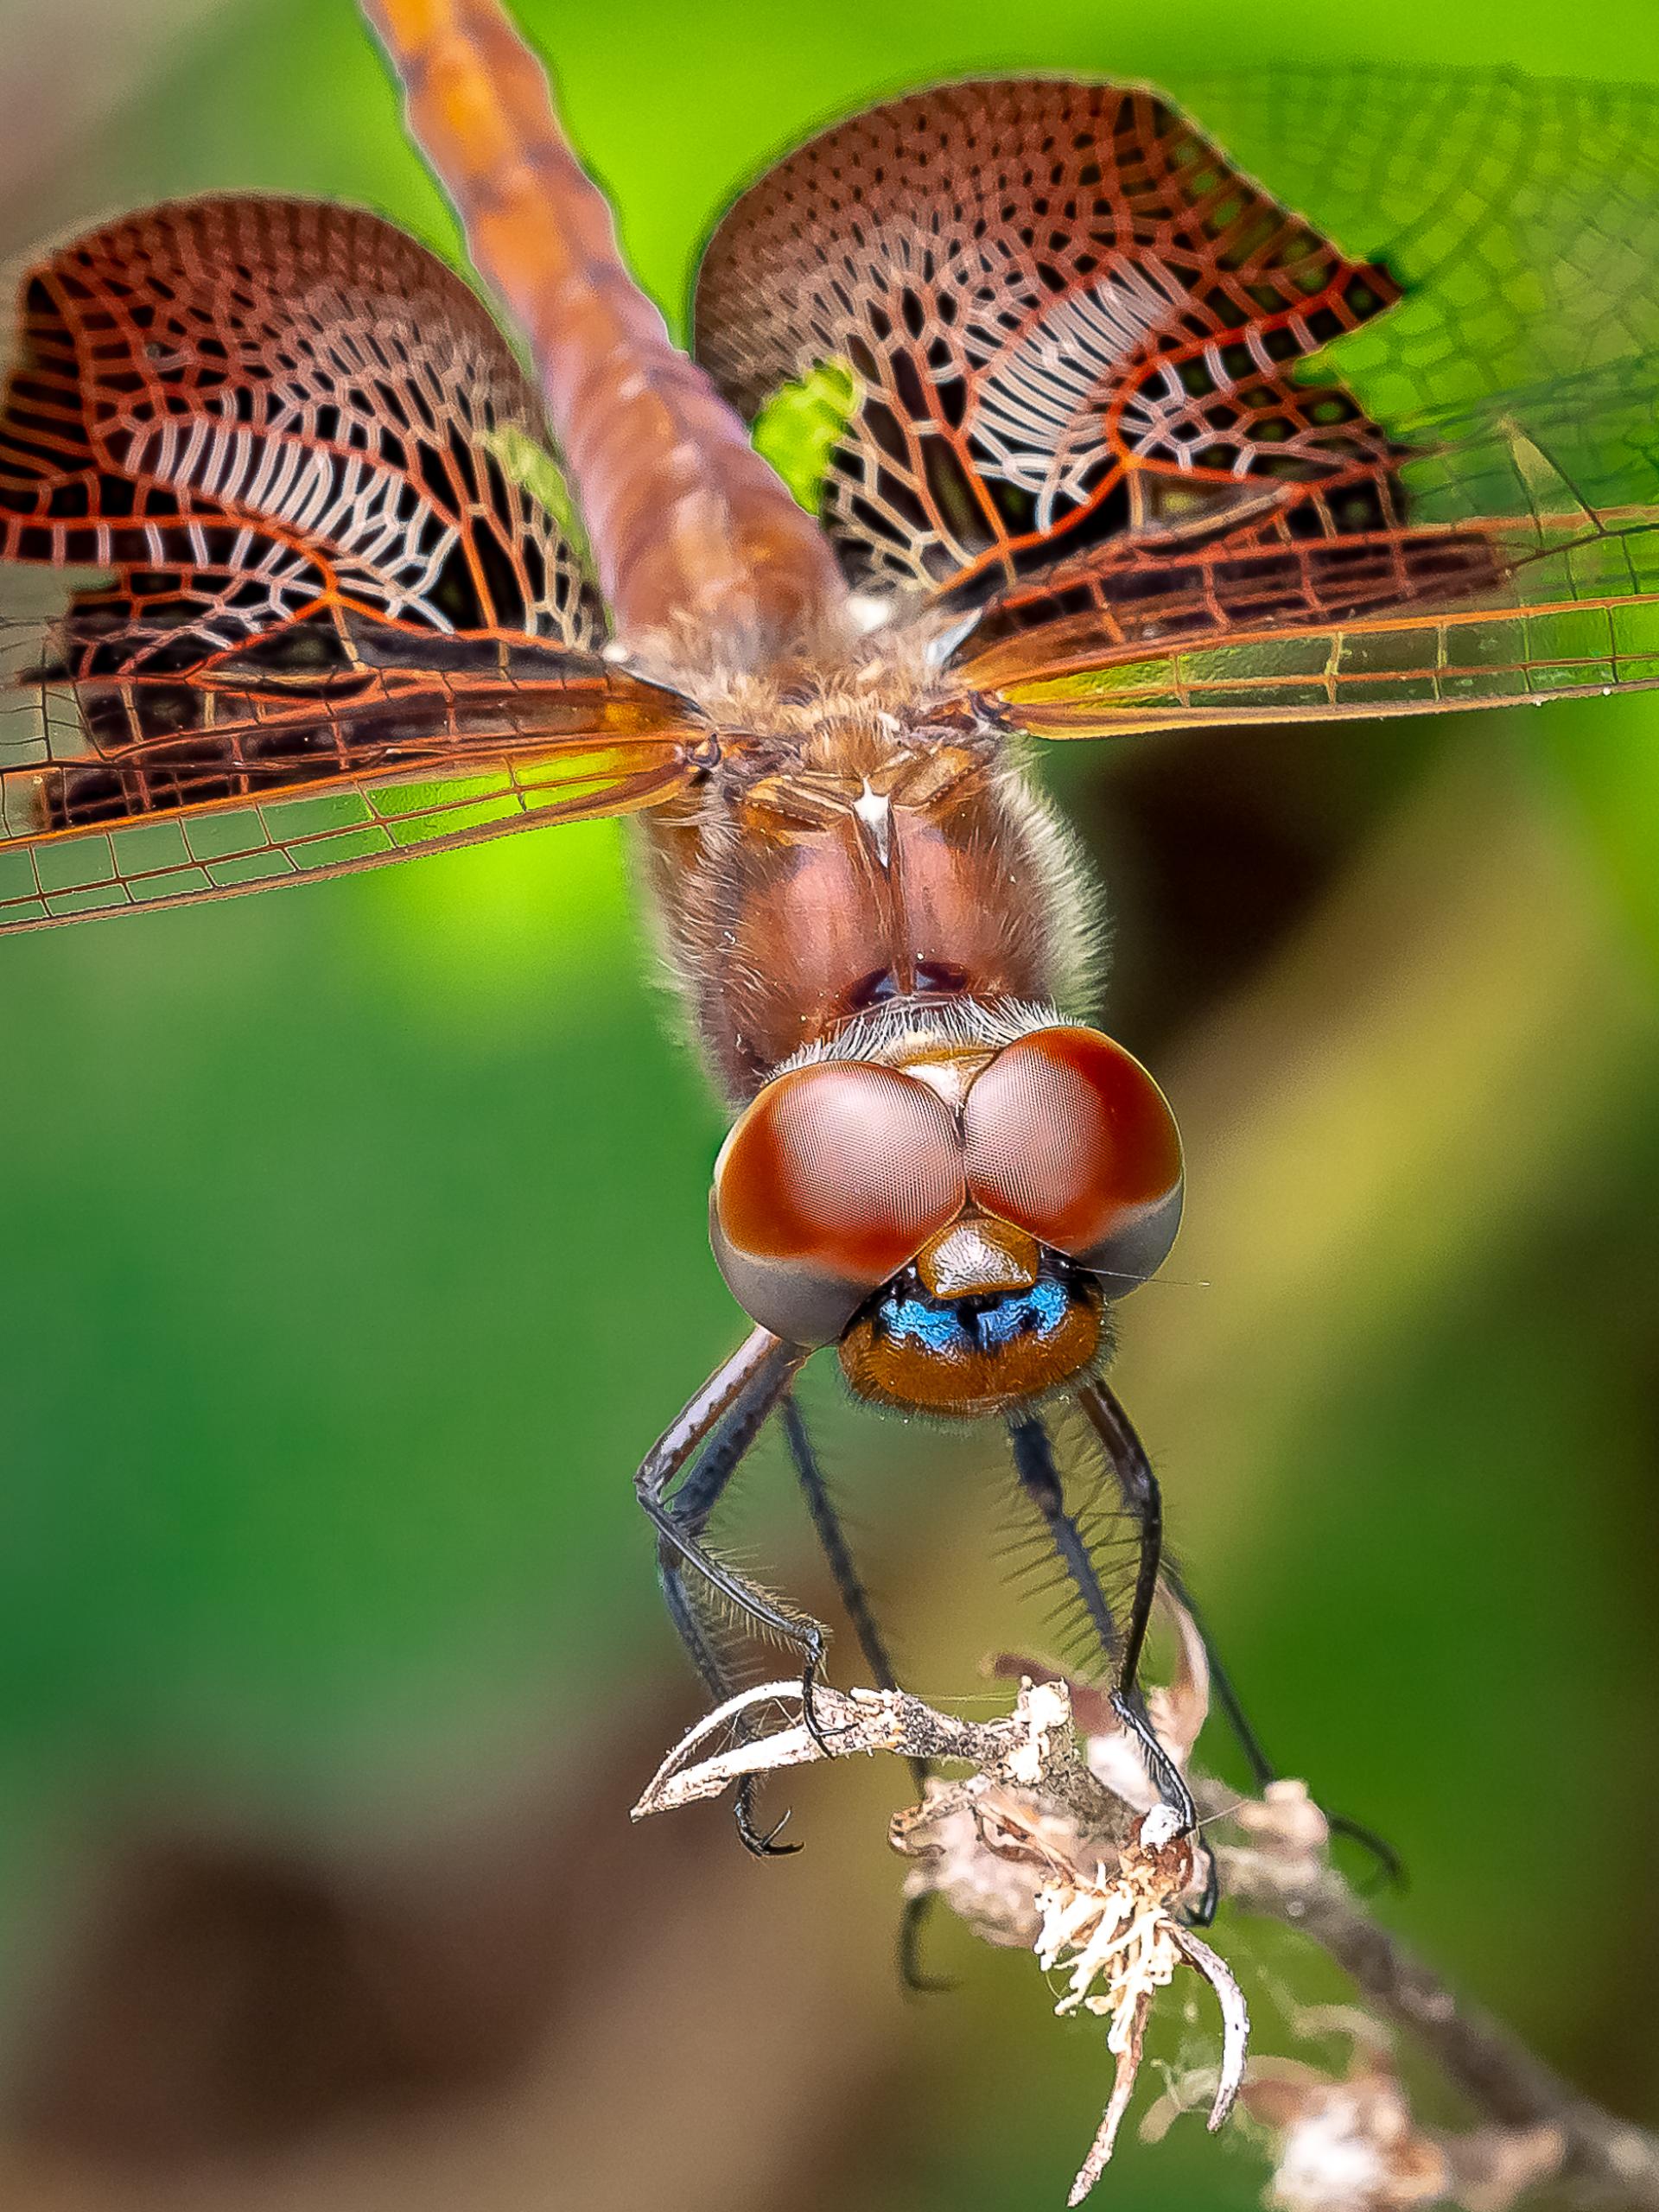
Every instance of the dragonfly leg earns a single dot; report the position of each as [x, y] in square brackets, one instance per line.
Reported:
[832, 1540]
[696, 1499]
[711, 1438]
[691, 1505]
[1033, 1460]
[843, 1568]
[1389, 1864]
[1138, 1486]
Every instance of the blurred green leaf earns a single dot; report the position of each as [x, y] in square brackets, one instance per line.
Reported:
[800, 426]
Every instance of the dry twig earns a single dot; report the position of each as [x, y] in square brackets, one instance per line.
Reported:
[1032, 1848]
[1059, 1845]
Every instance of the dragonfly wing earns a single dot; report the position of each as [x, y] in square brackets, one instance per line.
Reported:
[1520, 214]
[1529, 571]
[308, 373]
[315, 568]
[257, 783]
[335, 827]
[1002, 272]
[1166, 451]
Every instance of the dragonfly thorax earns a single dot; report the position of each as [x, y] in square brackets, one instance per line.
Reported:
[861, 854]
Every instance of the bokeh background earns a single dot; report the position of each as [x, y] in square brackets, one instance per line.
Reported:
[352, 1252]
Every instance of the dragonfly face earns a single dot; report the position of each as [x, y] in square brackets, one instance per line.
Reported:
[954, 1211]
[1085, 432]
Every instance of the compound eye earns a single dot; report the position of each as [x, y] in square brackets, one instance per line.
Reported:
[834, 1178]
[1068, 1137]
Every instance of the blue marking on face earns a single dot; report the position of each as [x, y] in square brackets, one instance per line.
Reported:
[973, 1324]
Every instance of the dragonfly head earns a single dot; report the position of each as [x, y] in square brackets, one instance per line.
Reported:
[956, 1224]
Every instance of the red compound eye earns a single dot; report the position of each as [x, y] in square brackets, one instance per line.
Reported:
[835, 1177]
[1069, 1137]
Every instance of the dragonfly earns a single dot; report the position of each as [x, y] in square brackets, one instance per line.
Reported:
[1016, 410]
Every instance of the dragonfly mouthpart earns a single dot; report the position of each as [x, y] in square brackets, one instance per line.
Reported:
[979, 1351]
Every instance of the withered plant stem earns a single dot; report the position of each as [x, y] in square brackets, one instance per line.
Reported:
[1607, 2160]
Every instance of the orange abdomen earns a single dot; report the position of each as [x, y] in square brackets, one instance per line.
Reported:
[696, 541]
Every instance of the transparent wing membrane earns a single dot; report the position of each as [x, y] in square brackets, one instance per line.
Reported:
[1534, 574]
[1415, 663]
[1519, 215]
[335, 827]
[252, 787]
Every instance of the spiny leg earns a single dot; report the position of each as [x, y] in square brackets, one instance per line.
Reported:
[746, 1388]
[1138, 1486]
[691, 1505]
[722, 1423]
[696, 1501]
[832, 1538]
[1033, 1460]
[1262, 1769]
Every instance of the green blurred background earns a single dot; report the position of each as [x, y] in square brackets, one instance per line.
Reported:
[354, 1251]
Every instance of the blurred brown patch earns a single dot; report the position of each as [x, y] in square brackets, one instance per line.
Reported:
[1216, 844]
[229, 1996]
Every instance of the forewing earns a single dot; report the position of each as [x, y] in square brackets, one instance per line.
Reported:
[1520, 214]
[1543, 583]
[1089, 410]
[340, 612]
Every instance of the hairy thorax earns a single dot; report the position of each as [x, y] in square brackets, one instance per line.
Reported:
[857, 849]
